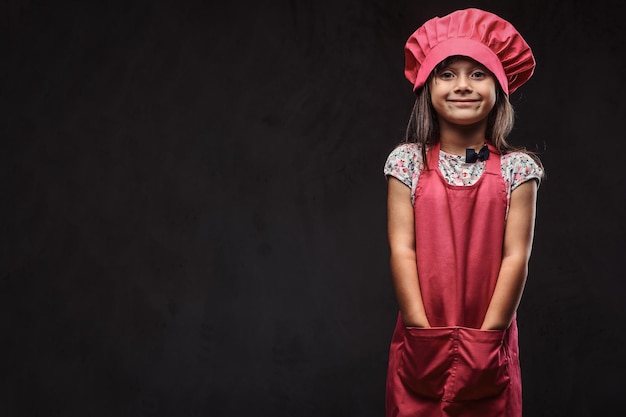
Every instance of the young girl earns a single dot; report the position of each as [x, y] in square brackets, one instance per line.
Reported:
[461, 213]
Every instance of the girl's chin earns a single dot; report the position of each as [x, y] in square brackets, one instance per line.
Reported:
[462, 123]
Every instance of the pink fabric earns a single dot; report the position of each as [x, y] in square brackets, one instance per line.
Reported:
[454, 369]
[475, 33]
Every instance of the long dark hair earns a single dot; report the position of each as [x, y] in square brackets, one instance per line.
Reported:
[423, 126]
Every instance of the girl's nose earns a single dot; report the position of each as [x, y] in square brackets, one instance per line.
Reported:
[462, 84]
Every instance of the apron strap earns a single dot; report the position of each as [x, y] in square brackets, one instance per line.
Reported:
[494, 164]
[432, 156]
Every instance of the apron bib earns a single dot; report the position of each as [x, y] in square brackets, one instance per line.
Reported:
[454, 369]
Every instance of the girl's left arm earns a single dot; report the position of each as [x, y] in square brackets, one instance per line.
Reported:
[518, 239]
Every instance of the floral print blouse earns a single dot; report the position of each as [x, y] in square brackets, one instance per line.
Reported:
[405, 163]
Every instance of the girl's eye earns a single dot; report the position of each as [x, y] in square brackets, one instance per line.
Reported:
[446, 75]
[478, 74]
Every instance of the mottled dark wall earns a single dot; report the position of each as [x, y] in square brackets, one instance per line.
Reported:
[194, 205]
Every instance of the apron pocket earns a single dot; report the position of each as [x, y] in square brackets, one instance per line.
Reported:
[425, 360]
[481, 368]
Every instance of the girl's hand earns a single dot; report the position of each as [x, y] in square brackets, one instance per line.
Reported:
[416, 323]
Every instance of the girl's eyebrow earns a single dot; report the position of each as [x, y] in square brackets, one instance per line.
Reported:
[473, 68]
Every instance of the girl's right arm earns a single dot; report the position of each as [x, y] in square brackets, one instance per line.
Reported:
[401, 234]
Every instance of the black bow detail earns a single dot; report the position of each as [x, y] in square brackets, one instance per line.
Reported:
[473, 156]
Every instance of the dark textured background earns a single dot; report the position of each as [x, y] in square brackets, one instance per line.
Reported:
[194, 205]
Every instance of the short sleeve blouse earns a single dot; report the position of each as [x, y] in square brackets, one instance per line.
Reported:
[405, 163]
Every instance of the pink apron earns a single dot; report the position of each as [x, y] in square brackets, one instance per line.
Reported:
[453, 369]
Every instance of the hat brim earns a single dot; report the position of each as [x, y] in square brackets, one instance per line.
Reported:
[464, 47]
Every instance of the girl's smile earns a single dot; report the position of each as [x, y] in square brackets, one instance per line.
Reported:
[463, 103]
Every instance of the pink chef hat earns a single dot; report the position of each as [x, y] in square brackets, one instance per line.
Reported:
[480, 35]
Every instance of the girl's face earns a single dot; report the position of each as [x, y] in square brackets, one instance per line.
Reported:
[463, 93]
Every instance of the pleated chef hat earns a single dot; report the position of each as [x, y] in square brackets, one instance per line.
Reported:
[480, 35]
